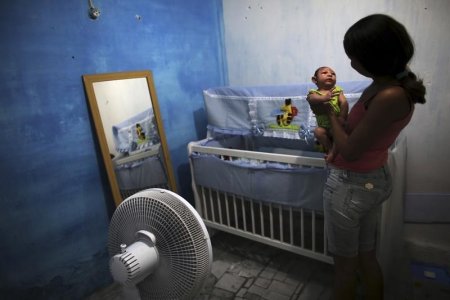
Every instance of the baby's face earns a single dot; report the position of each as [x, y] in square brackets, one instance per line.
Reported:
[326, 78]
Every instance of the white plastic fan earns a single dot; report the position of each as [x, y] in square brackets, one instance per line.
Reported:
[159, 246]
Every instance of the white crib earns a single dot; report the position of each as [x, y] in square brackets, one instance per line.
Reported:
[230, 195]
[291, 228]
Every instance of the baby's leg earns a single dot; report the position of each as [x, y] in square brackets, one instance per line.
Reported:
[321, 135]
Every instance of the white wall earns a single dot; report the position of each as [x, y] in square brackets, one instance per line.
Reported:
[284, 41]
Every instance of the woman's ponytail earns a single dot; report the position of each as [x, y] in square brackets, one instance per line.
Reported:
[414, 87]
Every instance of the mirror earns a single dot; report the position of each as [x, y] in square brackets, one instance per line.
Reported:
[126, 116]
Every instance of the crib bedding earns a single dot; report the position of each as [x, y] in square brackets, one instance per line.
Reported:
[141, 173]
[260, 178]
[258, 110]
[140, 170]
[259, 143]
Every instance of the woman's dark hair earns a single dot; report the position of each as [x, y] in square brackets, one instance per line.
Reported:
[383, 47]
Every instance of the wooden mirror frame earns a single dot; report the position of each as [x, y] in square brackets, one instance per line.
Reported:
[89, 81]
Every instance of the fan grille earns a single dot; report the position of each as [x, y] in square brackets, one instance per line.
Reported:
[182, 242]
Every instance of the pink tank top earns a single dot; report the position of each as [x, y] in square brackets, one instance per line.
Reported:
[376, 156]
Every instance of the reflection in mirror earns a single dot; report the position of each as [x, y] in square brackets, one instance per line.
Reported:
[126, 116]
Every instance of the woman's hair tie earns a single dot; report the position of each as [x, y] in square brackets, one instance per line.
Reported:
[402, 74]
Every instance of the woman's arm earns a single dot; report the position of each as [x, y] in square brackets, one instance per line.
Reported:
[386, 107]
[343, 105]
[314, 98]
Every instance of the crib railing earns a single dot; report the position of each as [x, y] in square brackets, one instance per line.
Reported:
[293, 229]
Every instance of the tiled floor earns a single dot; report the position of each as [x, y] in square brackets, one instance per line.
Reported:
[243, 269]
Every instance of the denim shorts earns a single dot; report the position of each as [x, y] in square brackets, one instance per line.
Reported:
[352, 207]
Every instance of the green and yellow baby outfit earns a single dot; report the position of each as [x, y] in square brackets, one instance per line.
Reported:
[323, 120]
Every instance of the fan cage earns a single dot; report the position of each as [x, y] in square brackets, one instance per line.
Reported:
[182, 242]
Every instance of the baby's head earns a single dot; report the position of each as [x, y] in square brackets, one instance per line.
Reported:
[324, 78]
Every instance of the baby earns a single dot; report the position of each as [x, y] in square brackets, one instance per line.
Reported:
[327, 91]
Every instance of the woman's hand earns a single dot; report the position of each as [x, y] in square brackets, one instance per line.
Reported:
[320, 103]
[314, 98]
[328, 109]
[318, 109]
[335, 93]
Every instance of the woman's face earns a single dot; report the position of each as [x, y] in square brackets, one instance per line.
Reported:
[358, 67]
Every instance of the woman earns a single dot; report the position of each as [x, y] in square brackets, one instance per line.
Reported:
[380, 48]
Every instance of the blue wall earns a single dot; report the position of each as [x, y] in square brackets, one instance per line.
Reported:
[55, 199]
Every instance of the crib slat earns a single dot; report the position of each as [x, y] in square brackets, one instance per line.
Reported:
[271, 220]
[219, 206]
[280, 213]
[253, 216]
[302, 224]
[291, 226]
[227, 208]
[236, 221]
[261, 218]
[205, 209]
[211, 203]
[313, 229]
[244, 214]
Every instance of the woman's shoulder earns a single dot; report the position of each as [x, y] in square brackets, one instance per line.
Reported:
[384, 93]
[394, 100]
[392, 91]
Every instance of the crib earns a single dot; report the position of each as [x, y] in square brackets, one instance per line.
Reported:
[264, 182]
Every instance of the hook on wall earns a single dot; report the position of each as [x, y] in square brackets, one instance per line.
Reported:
[94, 12]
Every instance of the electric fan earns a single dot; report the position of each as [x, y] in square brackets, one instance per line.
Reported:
[159, 246]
